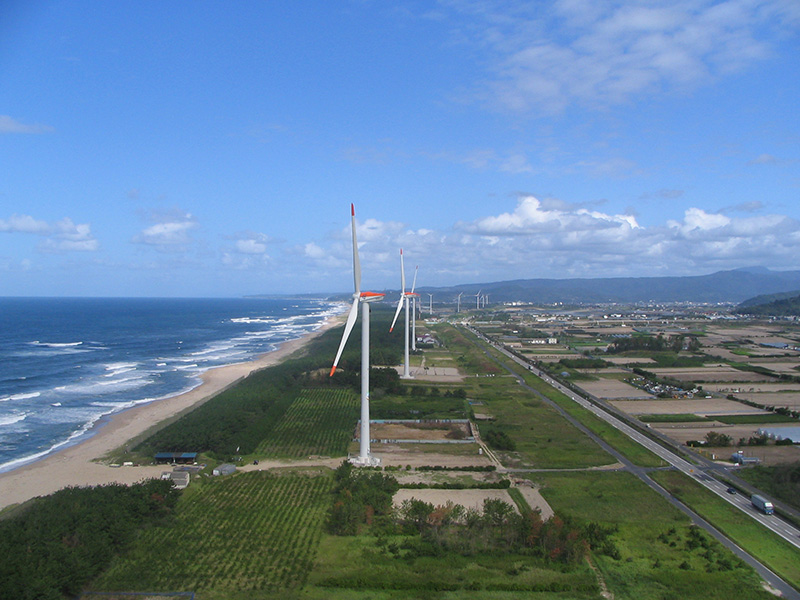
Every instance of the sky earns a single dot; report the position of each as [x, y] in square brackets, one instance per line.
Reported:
[213, 149]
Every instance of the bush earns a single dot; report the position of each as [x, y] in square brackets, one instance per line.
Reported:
[499, 440]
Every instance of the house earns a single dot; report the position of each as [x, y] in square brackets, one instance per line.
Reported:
[176, 458]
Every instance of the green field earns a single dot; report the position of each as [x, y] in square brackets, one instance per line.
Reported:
[543, 438]
[660, 556]
[376, 574]
[246, 536]
[318, 422]
[679, 418]
[779, 555]
[635, 452]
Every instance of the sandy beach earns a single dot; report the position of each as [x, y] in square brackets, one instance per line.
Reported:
[74, 466]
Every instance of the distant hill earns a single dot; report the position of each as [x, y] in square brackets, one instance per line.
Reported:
[723, 286]
[775, 305]
[768, 298]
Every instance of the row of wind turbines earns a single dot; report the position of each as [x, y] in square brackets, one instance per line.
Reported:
[364, 299]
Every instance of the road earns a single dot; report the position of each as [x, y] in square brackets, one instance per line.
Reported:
[772, 522]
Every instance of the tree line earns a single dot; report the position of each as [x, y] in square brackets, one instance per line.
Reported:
[54, 547]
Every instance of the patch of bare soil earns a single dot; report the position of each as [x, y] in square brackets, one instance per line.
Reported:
[419, 431]
[401, 455]
[612, 389]
[695, 406]
[790, 400]
[474, 498]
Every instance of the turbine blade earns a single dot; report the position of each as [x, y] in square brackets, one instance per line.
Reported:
[397, 313]
[413, 285]
[351, 321]
[356, 262]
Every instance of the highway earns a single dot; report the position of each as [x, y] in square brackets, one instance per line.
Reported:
[772, 522]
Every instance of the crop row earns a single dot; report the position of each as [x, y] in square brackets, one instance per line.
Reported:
[319, 421]
[254, 531]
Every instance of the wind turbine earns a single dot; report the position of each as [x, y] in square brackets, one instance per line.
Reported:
[459, 302]
[478, 300]
[360, 298]
[414, 311]
[430, 303]
[404, 300]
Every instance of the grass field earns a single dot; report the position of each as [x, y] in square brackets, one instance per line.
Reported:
[622, 443]
[660, 555]
[543, 438]
[779, 555]
[318, 422]
[680, 418]
[246, 536]
[377, 574]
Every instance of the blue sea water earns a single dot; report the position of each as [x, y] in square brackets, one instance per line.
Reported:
[65, 363]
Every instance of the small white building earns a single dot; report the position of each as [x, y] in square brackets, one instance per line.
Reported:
[224, 469]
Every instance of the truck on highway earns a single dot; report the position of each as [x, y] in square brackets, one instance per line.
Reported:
[762, 504]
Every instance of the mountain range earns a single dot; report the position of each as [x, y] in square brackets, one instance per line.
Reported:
[733, 286]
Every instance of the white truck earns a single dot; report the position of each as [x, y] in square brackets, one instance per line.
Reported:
[762, 504]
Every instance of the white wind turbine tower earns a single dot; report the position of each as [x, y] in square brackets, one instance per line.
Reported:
[360, 298]
[459, 302]
[478, 300]
[414, 311]
[430, 303]
[405, 297]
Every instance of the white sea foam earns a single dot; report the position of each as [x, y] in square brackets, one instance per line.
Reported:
[11, 419]
[185, 367]
[115, 369]
[104, 387]
[56, 344]
[21, 396]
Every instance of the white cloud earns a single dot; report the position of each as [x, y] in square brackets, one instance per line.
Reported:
[548, 56]
[556, 239]
[172, 231]
[11, 125]
[530, 216]
[312, 250]
[696, 219]
[24, 224]
[251, 246]
[61, 236]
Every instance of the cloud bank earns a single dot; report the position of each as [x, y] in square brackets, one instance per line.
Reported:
[547, 56]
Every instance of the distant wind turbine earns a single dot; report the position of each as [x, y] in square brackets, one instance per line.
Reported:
[478, 300]
[360, 298]
[414, 311]
[459, 302]
[405, 297]
[430, 303]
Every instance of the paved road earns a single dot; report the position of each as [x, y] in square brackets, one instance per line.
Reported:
[773, 522]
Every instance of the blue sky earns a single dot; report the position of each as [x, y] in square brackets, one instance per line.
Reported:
[214, 148]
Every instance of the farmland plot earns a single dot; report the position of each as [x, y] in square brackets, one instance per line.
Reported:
[244, 536]
[319, 422]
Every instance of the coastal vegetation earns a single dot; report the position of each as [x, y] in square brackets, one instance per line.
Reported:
[312, 533]
[54, 547]
[242, 419]
[247, 536]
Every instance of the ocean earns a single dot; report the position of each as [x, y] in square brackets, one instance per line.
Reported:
[65, 363]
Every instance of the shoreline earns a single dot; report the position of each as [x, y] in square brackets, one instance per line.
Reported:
[74, 464]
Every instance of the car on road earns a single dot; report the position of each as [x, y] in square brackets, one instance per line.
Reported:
[731, 490]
